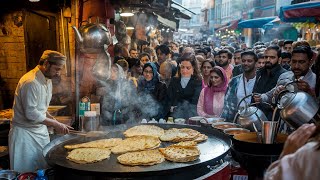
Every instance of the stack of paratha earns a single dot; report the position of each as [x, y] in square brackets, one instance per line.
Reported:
[144, 130]
[136, 143]
[184, 134]
[145, 158]
[102, 143]
[88, 155]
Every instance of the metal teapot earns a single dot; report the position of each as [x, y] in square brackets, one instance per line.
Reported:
[92, 37]
[250, 117]
[297, 108]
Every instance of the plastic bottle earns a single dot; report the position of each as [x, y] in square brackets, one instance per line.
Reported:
[41, 175]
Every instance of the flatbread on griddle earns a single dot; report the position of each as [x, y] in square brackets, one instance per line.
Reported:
[187, 143]
[201, 138]
[101, 143]
[144, 130]
[88, 155]
[177, 153]
[145, 158]
[136, 143]
[178, 135]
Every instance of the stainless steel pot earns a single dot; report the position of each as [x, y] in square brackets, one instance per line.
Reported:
[8, 174]
[92, 37]
[297, 108]
[250, 115]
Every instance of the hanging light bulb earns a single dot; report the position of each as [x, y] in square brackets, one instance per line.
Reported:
[126, 12]
[34, 0]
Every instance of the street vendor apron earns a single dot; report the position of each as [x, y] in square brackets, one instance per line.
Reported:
[25, 148]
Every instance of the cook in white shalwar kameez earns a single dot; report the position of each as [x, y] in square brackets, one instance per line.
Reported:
[28, 135]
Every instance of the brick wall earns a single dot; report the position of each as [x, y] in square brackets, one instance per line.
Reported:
[12, 50]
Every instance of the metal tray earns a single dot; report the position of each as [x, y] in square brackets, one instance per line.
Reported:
[212, 150]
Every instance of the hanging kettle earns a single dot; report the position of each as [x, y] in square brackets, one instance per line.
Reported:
[92, 37]
[250, 117]
[297, 108]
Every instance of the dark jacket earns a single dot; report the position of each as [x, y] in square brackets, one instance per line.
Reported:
[265, 82]
[185, 99]
[152, 95]
[237, 70]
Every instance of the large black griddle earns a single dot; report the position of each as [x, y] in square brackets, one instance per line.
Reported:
[212, 150]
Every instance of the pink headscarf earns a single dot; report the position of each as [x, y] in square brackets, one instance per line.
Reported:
[210, 91]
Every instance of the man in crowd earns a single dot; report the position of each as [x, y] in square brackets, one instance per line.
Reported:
[162, 54]
[240, 86]
[300, 70]
[261, 61]
[29, 134]
[287, 46]
[133, 53]
[267, 77]
[285, 60]
[225, 57]
[237, 61]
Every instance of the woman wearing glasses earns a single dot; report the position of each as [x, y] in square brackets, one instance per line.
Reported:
[212, 97]
[152, 93]
[184, 90]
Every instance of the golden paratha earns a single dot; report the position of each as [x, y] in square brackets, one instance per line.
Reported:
[136, 143]
[186, 143]
[144, 130]
[180, 153]
[88, 155]
[145, 158]
[201, 138]
[102, 143]
[178, 135]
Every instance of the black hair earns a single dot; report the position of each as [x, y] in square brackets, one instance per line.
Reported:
[250, 53]
[210, 62]
[276, 48]
[164, 49]
[237, 51]
[285, 55]
[287, 42]
[225, 51]
[141, 55]
[133, 62]
[260, 55]
[303, 49]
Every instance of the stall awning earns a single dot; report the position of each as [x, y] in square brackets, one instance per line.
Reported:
[302, 12]
[231, 25]
[255, 23]
[167, 22]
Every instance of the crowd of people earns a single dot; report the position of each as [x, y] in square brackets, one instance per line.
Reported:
[179, 81]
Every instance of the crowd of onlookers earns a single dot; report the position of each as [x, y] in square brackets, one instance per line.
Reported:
[199, 80]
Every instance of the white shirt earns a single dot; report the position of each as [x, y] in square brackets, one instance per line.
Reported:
[31, 99]
[248, 85]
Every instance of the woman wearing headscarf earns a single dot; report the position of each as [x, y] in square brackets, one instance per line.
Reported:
[211, 98]
[152, 93]
[184, 90]
[115, 103]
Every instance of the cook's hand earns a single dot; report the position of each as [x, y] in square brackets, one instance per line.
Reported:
[278, 90]
[62, 128]
[297, 139]
[303, 86]
[257, 98]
